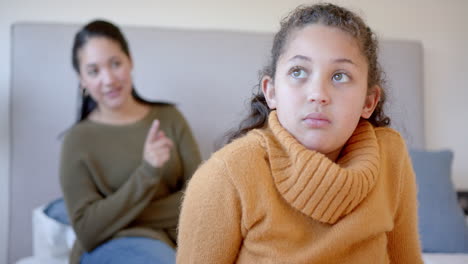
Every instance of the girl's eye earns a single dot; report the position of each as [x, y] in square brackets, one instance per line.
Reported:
[298, 73]
[341, 77]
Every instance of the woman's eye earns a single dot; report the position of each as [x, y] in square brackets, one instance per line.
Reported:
[115, 64]
[298, 73]
[341, 77]
[92, 72]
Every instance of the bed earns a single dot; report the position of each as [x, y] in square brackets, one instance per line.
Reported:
[206, 73]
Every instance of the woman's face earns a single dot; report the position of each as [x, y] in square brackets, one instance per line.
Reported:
[105, 71]
[320, 88]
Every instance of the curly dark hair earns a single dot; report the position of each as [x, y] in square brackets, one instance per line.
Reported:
[328, 15]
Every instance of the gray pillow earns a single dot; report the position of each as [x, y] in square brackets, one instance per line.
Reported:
[442, 224]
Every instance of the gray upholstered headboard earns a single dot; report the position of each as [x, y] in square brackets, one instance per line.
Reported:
[208, 74]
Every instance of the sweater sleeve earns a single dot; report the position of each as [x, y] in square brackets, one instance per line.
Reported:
[210, 221]
[404, 244]
[96, 218]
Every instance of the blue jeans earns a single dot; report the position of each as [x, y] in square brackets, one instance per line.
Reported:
[130, 250]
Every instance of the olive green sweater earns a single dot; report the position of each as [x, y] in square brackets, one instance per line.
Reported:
[265, 198]
[110, 191]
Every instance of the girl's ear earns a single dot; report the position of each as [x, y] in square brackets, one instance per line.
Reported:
[372, 99]
[268, 90]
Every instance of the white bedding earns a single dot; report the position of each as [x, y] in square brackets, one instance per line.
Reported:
[52, 241]
[43, 260]
[437, 258]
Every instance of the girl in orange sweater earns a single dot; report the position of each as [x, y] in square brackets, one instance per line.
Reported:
[313, 175]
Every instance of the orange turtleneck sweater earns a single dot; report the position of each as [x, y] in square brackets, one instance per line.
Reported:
[265, 198]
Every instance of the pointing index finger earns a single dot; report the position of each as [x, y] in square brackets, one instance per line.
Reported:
[153, 131]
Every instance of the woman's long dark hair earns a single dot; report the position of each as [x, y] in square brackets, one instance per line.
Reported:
[99, 28]
[328, 15]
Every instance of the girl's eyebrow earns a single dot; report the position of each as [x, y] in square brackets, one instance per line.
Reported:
[300, 57]
[344, 60]
[339, 60]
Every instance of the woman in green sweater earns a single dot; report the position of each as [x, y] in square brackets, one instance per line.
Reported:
[125, 162]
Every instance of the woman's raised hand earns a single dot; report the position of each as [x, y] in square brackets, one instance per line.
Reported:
[157, 149]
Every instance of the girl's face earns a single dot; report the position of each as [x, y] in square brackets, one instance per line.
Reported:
[105, 71]
[320, 89]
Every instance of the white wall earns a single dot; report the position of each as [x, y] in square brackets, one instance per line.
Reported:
[438, 24]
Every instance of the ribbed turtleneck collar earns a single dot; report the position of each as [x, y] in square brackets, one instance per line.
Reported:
[315, 185]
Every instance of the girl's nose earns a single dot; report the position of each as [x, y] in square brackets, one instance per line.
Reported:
[318, 92]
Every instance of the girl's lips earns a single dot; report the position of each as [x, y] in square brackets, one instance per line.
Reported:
[316, 120]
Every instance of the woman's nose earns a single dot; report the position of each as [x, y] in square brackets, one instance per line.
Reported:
[108, 77]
